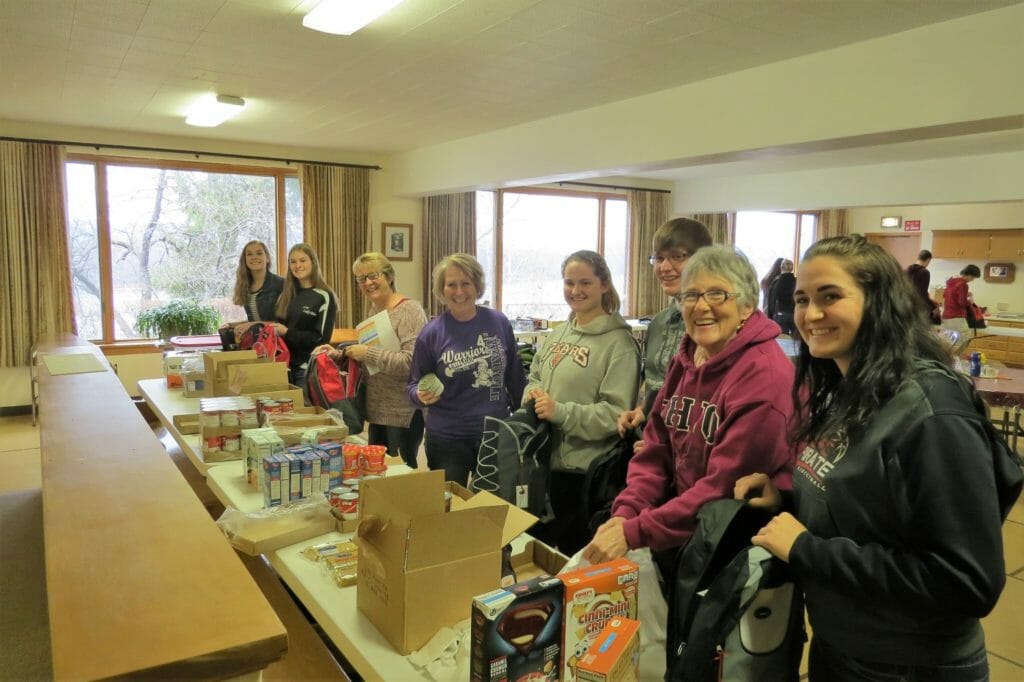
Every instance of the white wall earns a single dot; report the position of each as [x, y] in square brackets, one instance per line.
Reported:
[1004, 215]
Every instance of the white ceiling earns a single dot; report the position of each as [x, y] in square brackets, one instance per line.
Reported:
[428, 72]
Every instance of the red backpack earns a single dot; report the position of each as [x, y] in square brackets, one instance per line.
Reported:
[263, 339]
[344, 390]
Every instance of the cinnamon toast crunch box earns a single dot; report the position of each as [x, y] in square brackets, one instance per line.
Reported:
[593, 596]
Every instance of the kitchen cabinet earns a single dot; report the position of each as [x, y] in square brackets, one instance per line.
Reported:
[960, 244]
[1006, 245]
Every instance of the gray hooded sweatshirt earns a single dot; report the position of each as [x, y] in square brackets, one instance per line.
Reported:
[592, 372]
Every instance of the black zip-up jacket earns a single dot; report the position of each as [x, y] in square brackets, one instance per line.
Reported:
[905, 550]
[266, 298]
[310, 323]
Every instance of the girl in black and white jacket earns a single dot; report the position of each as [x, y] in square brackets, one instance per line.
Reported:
[306, 310]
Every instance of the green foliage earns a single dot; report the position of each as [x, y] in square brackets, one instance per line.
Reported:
[177, 318]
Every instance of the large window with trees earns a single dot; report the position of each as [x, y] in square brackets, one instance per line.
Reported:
[523, 235]
[143, 233]
[765, 236]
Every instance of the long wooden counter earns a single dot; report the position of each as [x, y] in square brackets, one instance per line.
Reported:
[140, 581]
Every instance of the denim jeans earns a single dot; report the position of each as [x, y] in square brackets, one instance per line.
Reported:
[825, 664]
[456, 456]
[400, 440]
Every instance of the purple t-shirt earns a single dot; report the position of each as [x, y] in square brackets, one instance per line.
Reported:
[479, 367]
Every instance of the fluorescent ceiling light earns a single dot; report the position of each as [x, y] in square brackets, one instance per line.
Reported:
[345, 17]
[212, 110]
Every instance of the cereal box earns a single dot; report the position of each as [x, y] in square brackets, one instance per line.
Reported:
[593, 596]
[516, 632]
[615, 654]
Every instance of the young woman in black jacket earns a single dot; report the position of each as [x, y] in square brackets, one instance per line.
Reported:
[895, 533]
[306, 310]
[256, 287]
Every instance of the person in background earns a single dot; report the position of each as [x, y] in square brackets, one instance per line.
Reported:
[673, 244]
[394, 422]
[920, 278]
[766, 281]
[256, 287]
[780, 298]
[467, 360]
[306, 310]
[717, 418]
[895, 534]
[586, 373]
[955, 301]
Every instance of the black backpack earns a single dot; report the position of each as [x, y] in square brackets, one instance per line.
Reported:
[736, 611]
[514, 460]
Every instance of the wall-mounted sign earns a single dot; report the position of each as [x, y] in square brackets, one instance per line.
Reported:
[999, 273]
[911, 225]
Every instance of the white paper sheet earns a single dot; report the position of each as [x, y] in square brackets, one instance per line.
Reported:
[377, 332]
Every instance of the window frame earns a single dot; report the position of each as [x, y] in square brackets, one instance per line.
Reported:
[499, 227]
[100, 163]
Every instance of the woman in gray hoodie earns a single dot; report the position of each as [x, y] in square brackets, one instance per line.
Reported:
[584, 376]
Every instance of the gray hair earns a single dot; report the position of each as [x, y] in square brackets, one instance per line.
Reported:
[728, 263]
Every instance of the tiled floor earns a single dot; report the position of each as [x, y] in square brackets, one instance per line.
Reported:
[1004, 628]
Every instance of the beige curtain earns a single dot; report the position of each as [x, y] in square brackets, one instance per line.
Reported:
[336, 210]
[721, 225]
[449, 226]
[35, 293]
[832, 223]
[647, 212]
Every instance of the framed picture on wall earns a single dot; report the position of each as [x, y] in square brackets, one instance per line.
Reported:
[397, 240]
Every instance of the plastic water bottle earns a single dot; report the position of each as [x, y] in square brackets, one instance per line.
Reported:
[975, 368]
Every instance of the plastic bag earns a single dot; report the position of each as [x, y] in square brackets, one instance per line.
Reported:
[241, 527]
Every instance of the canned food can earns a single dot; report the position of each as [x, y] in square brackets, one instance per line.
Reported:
[247, 418]
[350, 505]
[335, 496]
[229, 418]
[286, 405]
[213, 443]
[209, 417]
[232, 443]
[975, 367]
[373, 459]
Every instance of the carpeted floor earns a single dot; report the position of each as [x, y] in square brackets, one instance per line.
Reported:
[24, 624]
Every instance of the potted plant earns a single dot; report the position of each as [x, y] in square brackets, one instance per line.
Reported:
[177, 318]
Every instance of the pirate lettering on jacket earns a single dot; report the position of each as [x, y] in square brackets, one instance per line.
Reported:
[678, 410]
[562, 349]
[817, 461]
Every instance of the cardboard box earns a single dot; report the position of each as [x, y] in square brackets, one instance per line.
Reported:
[516, 632]
[186, 423]
[420, 567]
[244, 377]
[593, 596]
[263, 532]
[537, 559]
[216, 363]
[194, 384]
[615, 654]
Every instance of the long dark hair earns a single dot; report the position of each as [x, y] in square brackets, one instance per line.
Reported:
[892, 337]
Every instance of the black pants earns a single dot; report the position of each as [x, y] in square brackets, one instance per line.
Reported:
[456, 456]
[826, 664]
[403, 440]
[569, 530]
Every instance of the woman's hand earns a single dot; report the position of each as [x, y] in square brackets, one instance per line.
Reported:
[241, 328]
[779, 535]
[331, 351]
[759, 491]
[281, 329]
[609, 542]
[543, 405]
[357, 351]
[630, 419]
[428, 397]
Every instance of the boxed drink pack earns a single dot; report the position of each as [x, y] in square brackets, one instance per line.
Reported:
[593, 596]
[615, 654]
[517, 632]
[174, 361]
[419, 565]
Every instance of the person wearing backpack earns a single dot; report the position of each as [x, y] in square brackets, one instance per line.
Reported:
[671, 248]
[717, 418]
[586, 373]
[256, 287]
[901, 484]
[305, 310]
[394, 422]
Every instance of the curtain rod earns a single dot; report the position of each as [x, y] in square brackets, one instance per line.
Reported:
[97, 146]
[597, 184]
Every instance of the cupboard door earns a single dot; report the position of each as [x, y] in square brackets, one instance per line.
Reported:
[960, 244]
[1006, 245]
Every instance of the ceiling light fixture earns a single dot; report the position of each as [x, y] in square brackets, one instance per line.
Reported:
[211, 110]
[345, 17]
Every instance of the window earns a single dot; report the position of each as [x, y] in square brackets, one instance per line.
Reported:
[524, 235]
[145, 233]
[765, 236]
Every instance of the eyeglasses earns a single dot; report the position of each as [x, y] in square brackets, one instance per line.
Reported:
[712, 296]
[368, 277]
[674, 258]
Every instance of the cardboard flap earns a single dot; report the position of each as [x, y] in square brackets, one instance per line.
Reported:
[517, 521]
[416, 494]
[443, 538]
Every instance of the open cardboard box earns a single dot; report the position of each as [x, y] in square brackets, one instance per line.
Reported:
[537, 559]
[216, 363]
[419, 567]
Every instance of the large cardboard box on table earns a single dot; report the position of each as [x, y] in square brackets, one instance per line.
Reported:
[419, 566]
[242, 372]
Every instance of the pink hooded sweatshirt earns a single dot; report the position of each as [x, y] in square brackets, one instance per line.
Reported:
[713, 424]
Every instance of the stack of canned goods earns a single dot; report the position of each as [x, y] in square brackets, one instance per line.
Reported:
[233, 413]
[267, 406]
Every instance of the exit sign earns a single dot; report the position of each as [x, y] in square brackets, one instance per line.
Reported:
[911, 225]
